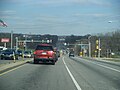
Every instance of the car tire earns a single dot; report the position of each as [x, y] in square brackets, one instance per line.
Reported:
[53, 62]
[1, 58]
[35, 62]
[16, 58]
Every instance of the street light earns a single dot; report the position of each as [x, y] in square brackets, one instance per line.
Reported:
[110, 21]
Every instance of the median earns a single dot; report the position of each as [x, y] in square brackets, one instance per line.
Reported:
[8, 66]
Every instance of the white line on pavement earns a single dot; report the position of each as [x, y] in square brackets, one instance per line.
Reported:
[104, 66]
[108, 68]
[73, 79]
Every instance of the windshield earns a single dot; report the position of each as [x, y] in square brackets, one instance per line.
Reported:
[8, 50]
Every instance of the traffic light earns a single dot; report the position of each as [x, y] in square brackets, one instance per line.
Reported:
[97, 44]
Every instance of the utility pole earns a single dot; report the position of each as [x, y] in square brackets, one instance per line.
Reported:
[99, 49]
[5, 44]
[16, 43]
[11, 39]
[89, 46]
[25, 42]
[89, 49]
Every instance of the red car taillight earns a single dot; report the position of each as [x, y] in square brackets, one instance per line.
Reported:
[35, 52]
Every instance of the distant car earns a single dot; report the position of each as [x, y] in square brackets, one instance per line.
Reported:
[20, 52]
[27, 54]
[58, 53]
[44, 53]
[2, 48]
[9, 54]
[71, 54]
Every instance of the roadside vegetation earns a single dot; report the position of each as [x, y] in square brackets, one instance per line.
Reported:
[109, 43]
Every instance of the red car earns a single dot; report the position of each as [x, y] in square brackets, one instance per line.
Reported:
[44, 53]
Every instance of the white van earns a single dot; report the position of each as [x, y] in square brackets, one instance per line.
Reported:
[2, 48]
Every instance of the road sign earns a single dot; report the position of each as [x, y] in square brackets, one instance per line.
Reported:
[5, 40]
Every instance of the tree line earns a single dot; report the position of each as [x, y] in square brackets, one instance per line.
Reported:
[109, 44]
[30, 37]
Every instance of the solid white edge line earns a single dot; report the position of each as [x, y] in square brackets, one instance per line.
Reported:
[109, 68]
[113, 69]
[72, 77]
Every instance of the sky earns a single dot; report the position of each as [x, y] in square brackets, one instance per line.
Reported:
[60, 17]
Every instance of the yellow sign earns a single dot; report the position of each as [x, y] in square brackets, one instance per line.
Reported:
[97, 42]
[81, 54]
[97, 47]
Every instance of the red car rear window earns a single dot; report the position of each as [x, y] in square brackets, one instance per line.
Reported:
[49, 48]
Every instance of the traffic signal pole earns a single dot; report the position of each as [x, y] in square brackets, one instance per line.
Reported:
[99, 49]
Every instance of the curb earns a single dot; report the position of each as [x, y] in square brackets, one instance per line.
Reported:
[7, 67]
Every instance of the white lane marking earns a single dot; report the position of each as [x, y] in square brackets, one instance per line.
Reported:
[113, 69]
[108, 67]
[73, 79]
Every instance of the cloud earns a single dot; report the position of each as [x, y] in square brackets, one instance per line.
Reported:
[7, 12]
[18, 1]
[93, 15]
[64, 2]
[54, 3]
[59, 2]
[50, 19]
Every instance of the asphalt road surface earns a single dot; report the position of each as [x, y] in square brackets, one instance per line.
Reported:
[68, 74]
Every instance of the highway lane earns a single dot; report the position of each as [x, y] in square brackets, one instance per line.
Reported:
[68, 74]
[93, 76]
[112, 64]
[104, 63]
[38, 77]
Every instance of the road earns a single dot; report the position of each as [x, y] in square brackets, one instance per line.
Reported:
[68, 74]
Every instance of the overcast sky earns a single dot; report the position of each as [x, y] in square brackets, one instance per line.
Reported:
[60, 17]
